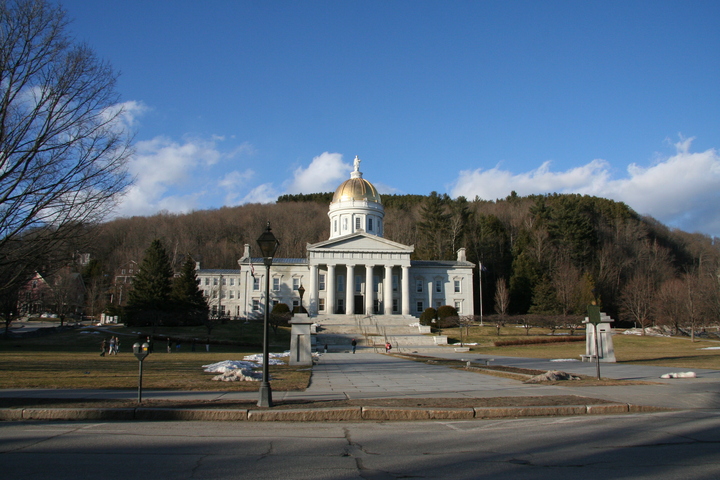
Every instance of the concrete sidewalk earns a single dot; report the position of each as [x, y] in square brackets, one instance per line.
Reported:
[342, 376]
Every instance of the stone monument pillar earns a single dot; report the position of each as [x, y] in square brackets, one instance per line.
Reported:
[300, 341]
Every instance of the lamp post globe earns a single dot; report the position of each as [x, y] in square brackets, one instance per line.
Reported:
[268, 246]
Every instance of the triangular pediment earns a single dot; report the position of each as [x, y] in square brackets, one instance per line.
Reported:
[361, 241]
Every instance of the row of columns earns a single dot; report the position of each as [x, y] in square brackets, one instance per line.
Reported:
[369, 289]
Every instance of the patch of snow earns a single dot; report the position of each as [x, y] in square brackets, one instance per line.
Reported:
[273, 358]
[710, 348]
[239, 375]
[551, 376]
[565, 360]
[229, 366]
[679, 375]
[650, 331]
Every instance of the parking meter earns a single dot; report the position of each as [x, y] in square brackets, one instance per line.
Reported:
[141, 351]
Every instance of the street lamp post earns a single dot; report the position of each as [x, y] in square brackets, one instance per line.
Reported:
[268, 245]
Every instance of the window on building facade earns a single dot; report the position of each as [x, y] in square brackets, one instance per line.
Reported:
[276, 284]
[376, 306]
[394, 283]
[345, 223]
[321, 304]
[321, 281]
[419, 285]
[357, 223]
[376, 284]
[341, 283]
[224, 281]
[296, 284]
[232, 293]
[207, 281]
[214, 294]
[335, 226]
[438, 304]
[232, 282]
[395, 308]
[274, 303]
[457, 286]
[341, 305]
[222, 294]
[419, 307]
[370, 224]
[256, 284]
[358, 284]
[438, 286]
[222, 310]
[296, 304]
[458, 306]
[215, 281]
[256, 305]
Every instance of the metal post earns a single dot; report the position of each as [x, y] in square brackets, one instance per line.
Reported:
[597, 352]
[140, 382]
[265, 390]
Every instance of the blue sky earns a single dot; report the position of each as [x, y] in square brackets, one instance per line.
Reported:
[242, 101]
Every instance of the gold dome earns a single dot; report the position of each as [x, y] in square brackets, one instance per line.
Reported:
[356, 189]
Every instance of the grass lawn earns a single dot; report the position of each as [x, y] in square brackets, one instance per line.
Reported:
[678, 352]
[71, 359]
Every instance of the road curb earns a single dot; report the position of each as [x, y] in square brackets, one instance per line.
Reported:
[339, 414]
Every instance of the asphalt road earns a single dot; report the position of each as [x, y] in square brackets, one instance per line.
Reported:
[670, 445]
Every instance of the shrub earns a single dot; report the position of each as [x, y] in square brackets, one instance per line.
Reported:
[446, 311]
[428, 316]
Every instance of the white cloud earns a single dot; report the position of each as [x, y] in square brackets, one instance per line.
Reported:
[264, 193]
[160, 166]
[324, 174]
[682, 191]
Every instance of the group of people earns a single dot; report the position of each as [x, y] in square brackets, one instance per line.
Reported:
[110, 347]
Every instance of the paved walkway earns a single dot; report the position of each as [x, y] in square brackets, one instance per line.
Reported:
[339, 376]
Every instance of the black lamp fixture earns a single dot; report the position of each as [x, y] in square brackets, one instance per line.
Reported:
[268, 246]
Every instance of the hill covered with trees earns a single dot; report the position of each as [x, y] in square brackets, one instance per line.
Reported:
[543, 254]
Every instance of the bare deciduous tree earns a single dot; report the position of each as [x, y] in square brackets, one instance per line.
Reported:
[63, 145]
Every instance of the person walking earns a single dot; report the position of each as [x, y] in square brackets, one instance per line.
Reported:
[111, 348]
[354, 345]
[388, 347]
[103, 346]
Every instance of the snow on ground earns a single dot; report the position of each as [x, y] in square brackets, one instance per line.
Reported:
[651, 331]
[710, 348]
[565, 360]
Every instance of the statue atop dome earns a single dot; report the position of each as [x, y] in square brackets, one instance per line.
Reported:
[356, 173]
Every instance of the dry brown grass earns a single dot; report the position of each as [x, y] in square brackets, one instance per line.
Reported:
[176, 371]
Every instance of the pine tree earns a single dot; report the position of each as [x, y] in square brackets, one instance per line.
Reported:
[150, 297]
[186, 293]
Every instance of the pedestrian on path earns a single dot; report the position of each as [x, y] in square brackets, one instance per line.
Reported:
[103, 346]
[388, 347]
[353, 343]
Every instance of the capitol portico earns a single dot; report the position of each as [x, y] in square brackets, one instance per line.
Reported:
[355, 272]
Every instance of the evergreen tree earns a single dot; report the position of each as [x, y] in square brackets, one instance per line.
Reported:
[434, 229]
[149, 300]
[186, 293]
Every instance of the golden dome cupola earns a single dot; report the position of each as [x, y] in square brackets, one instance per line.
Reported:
[356, 206]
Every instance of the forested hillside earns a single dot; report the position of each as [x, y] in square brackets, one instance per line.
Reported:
[544, 254]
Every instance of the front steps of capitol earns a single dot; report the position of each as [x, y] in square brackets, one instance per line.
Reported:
[404, 333]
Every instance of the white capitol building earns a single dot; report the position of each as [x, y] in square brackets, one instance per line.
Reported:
[354, 272]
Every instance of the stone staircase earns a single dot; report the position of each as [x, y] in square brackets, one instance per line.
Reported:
[371, 333]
